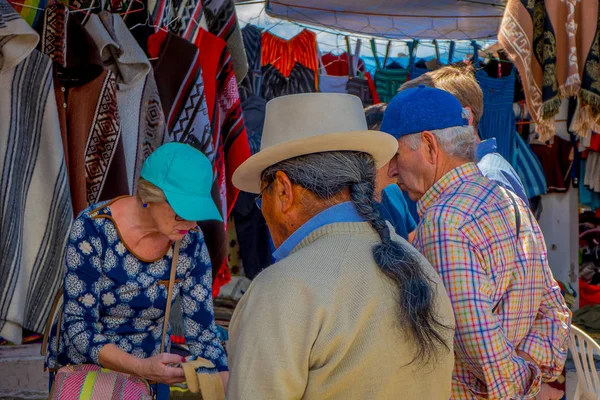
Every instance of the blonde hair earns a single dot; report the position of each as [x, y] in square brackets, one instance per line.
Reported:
[459, 80]
[149, 193]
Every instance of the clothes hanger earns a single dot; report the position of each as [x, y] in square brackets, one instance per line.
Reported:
[73, 9]
[26, 6]
[129, 11]
[147, 23]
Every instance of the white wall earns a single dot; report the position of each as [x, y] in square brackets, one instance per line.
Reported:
[560, 223]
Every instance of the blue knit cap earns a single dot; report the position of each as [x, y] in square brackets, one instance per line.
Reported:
[422, 109]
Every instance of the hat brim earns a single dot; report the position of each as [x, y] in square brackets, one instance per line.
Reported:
[381, 146]
[193, 207]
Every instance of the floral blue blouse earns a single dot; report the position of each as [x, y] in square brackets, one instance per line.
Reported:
[113, 296]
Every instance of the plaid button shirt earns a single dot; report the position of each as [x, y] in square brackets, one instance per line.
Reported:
[504, 296]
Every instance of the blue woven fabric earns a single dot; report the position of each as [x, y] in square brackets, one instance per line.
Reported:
[422, 109]
[587, 196]
[529, 168]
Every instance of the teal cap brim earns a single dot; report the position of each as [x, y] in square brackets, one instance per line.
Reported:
[194, 207]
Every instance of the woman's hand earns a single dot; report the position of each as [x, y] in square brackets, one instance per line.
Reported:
[549, 393]
[225, 379]
[157, 369]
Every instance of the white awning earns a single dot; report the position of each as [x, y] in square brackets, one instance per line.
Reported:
[397, 19]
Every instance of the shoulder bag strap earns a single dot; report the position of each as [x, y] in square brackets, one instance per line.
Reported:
[170, 295]
[55, 304]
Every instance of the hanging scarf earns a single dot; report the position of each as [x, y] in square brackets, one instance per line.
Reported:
[549, 42]
[587, 116]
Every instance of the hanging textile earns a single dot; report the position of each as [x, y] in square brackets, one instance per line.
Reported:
[338, 65]
[587, 196]
[182, 91]
[224, 109]
[86, 94]
[587, 117]
[592, 177]
[254, 109]
[177, 70]
[388, 81]
[416, 71]
[576, 169]
[362, 89]
[359, 83]
[206, 77]
[557, 160]
[139, 24]
[529, 169]
[498, 119]
[300, 80]
[253, 234]
[252, 45]
[251, 36]
[187, 18]
[253, 105]
[221, 20]
[335, 83]
[284, 55]
[550, 58]
[234, 258]
[35, 203]
[33, 14]
[140, 111]
[250, 225]
[330, 83]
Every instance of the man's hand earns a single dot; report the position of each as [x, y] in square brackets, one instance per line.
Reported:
[549, 393]
[546, 392]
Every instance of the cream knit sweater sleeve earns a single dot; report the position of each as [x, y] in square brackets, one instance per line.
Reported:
[272, 332]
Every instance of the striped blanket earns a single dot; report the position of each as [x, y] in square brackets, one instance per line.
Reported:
[35, 206]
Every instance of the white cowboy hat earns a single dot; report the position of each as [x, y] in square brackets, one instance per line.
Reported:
[302, 124]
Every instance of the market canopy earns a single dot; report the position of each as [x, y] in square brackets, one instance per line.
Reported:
[397, 19]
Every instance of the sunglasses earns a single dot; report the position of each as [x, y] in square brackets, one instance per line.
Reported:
[177, 217]
[258, 199]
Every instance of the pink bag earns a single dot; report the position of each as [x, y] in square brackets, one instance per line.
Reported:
[89, 381]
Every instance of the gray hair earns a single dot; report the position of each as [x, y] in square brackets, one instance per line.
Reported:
[327, 175]
[456, 141]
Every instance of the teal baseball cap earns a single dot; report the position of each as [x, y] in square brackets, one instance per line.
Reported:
[185, 176]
